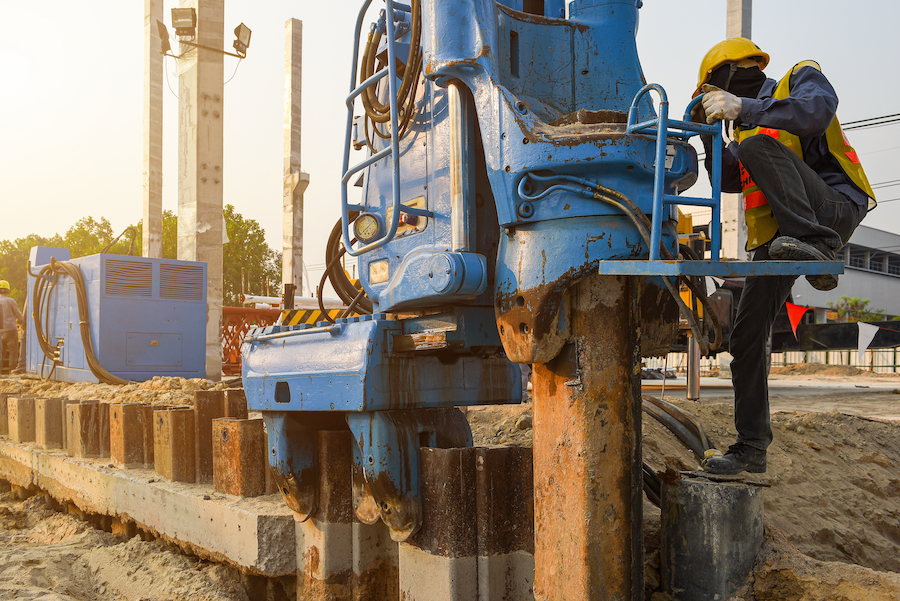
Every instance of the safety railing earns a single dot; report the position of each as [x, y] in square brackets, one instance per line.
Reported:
[660, 127]
[393, 150]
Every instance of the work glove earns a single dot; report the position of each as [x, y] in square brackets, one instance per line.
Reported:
[719, 104]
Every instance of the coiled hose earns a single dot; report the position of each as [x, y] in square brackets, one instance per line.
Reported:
[380, 112]
[355, 298]
[46, 280]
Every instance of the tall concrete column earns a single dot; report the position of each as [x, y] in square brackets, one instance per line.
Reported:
[587, 451]
[151, 241]
[295, 181]
[734, 229]
[200, 222]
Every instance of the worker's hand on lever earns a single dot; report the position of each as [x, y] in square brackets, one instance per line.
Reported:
[719, 104]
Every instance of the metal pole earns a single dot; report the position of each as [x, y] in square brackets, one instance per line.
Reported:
[693, 370]
[587, 451]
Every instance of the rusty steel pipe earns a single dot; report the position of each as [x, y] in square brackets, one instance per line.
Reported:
[587, 451]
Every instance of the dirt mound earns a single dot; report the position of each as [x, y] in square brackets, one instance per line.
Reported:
[158, 391]
[818, 369]
[49, 556]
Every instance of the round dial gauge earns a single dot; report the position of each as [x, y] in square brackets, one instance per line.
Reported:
[366, 227]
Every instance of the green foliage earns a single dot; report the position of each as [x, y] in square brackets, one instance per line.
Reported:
[246, 255]
[853, 309]
[249, 264]
[169, 236]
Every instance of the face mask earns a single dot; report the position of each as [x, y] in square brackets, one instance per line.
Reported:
[740, 81]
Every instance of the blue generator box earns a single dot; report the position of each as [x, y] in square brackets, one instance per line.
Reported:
[147, 317]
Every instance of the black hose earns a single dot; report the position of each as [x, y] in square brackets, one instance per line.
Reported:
[687, 419]
[41, 294]
[652, 485]
[675, 426]
[342, 285]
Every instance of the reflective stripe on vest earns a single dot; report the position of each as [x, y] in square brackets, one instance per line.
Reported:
[761, 224]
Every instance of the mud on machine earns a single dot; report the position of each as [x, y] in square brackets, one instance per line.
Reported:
[518, 206]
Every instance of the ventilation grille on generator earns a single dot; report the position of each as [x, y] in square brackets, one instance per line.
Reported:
[183, 282]
[129, 278]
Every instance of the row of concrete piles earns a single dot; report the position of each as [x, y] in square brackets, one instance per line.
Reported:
[476, 541]
[211, 442]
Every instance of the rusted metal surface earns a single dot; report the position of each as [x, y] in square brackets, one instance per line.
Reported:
[147, 426]
[659, 319]
[48, 423]
[504, 483]
[4, 414]
[126, 434]
[235, 403]
[21, 419]
[208, 405]
[83, 429]
[448, 503]
[173, 444]
[239, 461]
[587, 461]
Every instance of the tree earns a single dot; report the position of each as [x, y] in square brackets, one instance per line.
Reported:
[853, 309]
[169, 236]
[246, 258]
[249, 264]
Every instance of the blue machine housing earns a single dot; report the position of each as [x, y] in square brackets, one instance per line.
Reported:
[147, 317]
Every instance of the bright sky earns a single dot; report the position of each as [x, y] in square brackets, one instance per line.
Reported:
[72, 103]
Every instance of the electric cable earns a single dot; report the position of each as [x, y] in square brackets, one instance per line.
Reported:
[41, 295]
[343, 287]
[240, 60]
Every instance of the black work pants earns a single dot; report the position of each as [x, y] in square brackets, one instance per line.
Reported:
[807, 208]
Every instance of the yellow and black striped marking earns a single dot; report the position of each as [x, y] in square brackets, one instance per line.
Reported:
[298, 316]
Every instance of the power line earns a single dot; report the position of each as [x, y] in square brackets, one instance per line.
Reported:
[872, 119]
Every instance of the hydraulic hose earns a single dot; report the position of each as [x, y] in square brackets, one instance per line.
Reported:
[380, 112]
[39, 297]
[343, 287]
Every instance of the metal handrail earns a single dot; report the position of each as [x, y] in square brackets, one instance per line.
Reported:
[393, 150]
[660, 127]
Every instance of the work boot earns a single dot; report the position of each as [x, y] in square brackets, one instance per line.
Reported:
[739, 458]
[786, 248]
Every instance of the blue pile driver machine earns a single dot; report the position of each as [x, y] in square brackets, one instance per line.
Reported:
[514, 150]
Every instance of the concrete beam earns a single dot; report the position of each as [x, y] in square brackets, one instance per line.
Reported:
[256, 535]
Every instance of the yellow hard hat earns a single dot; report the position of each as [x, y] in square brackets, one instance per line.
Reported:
[730, 51]
[4, 284]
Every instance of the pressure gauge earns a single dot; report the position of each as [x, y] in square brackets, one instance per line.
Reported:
[366, 227]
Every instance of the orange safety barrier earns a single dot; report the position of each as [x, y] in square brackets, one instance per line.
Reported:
[236, 322]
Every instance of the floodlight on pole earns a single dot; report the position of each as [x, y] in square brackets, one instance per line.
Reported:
[164, 46]
[184, 20]
[242, 33]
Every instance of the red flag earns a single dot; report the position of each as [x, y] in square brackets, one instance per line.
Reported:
[795, 314]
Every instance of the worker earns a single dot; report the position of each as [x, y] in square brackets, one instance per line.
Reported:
[10, 316]
[804, 194]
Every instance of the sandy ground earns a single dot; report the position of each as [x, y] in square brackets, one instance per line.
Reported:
[832, 510]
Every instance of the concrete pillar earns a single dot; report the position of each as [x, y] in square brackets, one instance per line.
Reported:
[154, 62]
[201, 107]
[734, 228]
[738, 17]
[295, 181]
[587, 450]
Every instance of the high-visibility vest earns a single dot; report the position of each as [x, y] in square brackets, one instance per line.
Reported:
[761, 224]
